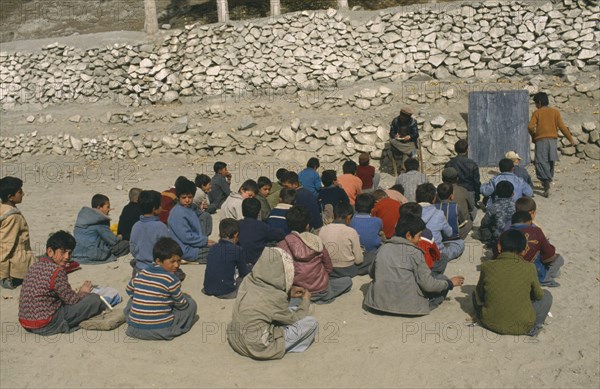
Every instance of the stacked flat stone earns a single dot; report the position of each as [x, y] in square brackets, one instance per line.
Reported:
[312, 51]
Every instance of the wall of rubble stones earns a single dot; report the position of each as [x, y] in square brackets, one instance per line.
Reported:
[300, 53]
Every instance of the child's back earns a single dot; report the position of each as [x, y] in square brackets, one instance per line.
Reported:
[94, 237]
[255, 235]
[221, 264]
[496, 217]
[144, 235]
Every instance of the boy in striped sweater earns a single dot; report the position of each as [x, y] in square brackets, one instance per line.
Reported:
[158, 310]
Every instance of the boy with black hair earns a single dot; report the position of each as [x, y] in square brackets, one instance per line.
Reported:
[47, 303]
[309, 178]
[436, 222]
[386, 209]
[349, 181]
[467, 169]
[276, 218]
[16, 255]
[168, 200]
[498, 214]
[369, 228]
[520, 187]
[508, 298]
[543, 130]
[343, 245]
[201, 200]
[185, 227]
[224, 259]
[312, 263]
[232, 206]
[458, 220]
[158, 310]
[411, 178]
[464, 200]
[396, 192]
[273, 197]
[538, 250]
[130, 215]
[402, 282]
[367, 174]
[96, 243]
[264, 188]
[220, 185]
[147, 231]
[255, 235]
[305, 199]
[426, 243]
[331, 193]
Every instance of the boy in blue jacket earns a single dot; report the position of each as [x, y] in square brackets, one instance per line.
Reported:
[96, 243]
[254, 234]
[184, 224]
[436, 222]
[224, 258]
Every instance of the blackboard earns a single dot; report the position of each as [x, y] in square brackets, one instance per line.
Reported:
[497, 123]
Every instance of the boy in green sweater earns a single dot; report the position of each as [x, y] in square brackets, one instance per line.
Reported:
[509, 299]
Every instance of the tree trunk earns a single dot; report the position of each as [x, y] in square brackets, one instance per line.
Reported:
[222, 11]
[275, 7]
[342, 4]
[151, 21]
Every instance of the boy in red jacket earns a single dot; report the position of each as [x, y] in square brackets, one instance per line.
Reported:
[47, 304]
[312, 263]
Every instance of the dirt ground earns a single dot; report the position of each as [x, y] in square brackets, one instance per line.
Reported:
[354, 348]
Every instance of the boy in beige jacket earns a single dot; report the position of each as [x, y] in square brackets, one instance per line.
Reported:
[15, 247]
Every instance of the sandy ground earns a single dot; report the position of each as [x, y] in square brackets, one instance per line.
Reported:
[354, 348]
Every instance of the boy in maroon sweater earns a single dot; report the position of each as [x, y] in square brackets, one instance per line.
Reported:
[539, 250]
[47, 304]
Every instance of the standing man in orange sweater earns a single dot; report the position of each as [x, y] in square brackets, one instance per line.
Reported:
[543, 130]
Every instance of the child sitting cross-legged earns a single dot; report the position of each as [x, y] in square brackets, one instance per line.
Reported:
[48, 305]
[312, 262]
[402, 282]
[254, 234]
[508, 299]
[232, 206]
[276, 218]
[158, 310]
[498, 214]
[538, 250]
[96, 243]
[264, 189]
[369, 228]
[386, 209]
[436, 222]
[147, 231]
[343, 244]
[224, 258]
[263, 325]
[184, 224]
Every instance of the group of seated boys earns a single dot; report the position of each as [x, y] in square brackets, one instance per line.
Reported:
[285, 244]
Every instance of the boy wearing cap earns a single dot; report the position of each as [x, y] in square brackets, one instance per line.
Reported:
[404, 133]
[367, 174]
[519, 170]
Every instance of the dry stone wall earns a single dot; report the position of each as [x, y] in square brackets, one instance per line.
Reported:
[312, 50]
[299, 54]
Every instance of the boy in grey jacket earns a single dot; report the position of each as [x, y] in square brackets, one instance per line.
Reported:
[402, 282]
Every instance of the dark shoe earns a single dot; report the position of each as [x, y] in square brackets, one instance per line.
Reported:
[535, 331]
[546, 186]
[550, 284]
[7, 283]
